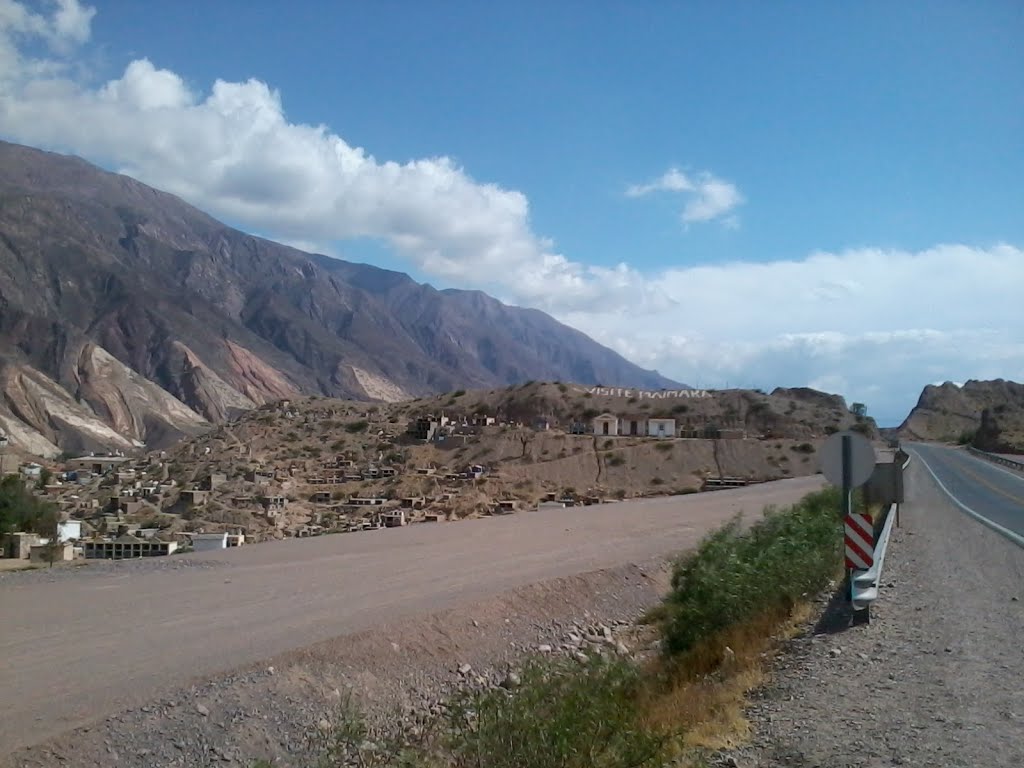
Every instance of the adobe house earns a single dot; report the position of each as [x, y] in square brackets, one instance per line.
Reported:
[661, 427]
[414, 502]
[97, 464]
[42, 553]
[506, 506]
[260, 477]
[606, 424]
[321, 497]
[195, 497]
[367, 501]
[275, 502]
[394, 519]
[634, 426]
[423, 428]
[19, 545]
[215, 479]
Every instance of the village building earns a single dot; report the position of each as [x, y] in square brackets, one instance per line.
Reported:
[195, 497]
[19, 545]
[633, 426]
[423, 428]
[394, 519]
[320, 497]
[45, 553]
[69, 530]
[127, 546]
[275, 503]
[214, 479]
[661, 427]
[606, 424]
[366, 501]
[98, 465]
[260, 477]
[206, 542]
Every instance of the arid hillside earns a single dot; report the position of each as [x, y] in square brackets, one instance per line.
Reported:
[987, 414]
[312, 465]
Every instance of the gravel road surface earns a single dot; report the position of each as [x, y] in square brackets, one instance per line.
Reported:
[79, 644]
[935, 679]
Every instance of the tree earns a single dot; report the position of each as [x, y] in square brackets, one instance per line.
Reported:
[49, 527]
[859, 410]
[19, 509]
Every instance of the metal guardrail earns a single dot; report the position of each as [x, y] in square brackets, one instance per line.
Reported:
[864, 584]
[996, 459]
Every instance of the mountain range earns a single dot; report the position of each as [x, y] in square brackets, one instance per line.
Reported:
[130, 318]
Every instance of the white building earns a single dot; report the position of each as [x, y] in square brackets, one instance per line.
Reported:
[72, 529]
[606, 424]
[204, 542]
[661, 427]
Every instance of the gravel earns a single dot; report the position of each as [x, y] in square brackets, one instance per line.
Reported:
[281, 709]
[933, 680]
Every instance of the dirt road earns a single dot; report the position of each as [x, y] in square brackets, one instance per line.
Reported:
[82, 644]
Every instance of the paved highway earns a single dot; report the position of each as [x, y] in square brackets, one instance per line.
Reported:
[990, 493]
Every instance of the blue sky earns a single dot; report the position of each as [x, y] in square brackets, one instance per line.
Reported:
[759, 194]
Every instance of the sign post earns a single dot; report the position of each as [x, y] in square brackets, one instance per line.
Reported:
[848, 461]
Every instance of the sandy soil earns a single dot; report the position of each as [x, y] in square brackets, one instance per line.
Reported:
[87, 642]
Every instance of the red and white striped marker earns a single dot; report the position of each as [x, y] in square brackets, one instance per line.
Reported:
[860, 542]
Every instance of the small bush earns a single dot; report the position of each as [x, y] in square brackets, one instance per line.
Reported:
[357, 426]
[563, 714]
[458, 393]
[562, 388]
[803, 448]
[663, 447]
[735, 576]
[831, 429]
[657, 481]
[966, 438]
[631, 400]
[615, 461]
[608, 444]
[681, 408]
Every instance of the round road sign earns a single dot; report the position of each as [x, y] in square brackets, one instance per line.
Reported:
[862, 458]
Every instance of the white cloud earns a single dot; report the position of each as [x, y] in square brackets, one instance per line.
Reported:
[233, 152]
[708, 197]
[874, 324]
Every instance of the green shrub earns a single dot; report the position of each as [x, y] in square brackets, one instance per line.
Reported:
[562, 388]
[657, 481]
[966, 438]
[615, 461]
[803, 448]
[736, 575]
[357, 426]
[663, 447]
[458, 393]
[563, 714]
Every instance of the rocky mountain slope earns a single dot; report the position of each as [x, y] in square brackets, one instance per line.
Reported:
[989, 414]
[129, 317]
